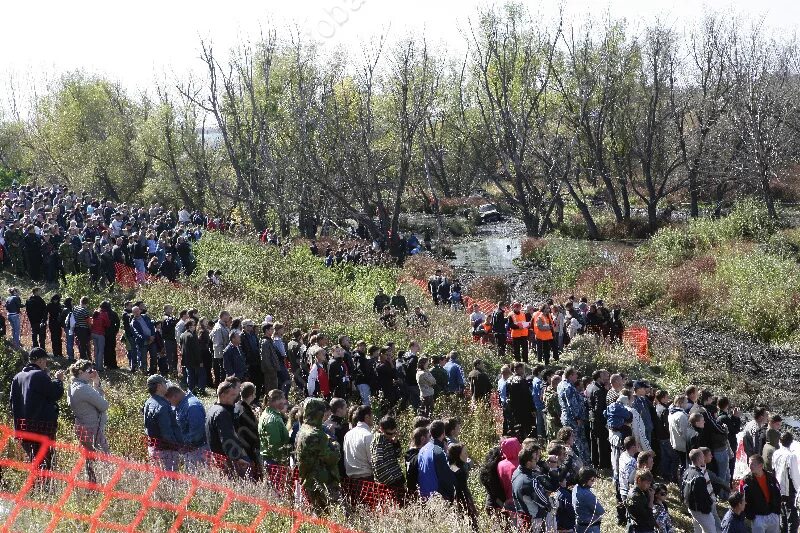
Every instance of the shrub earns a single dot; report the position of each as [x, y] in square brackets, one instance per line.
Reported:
[648, 285]
[760, 290]
[492, 288]
[535, 251]
[671, 246]
[422, 266]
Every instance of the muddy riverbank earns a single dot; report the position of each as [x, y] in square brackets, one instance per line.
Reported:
[750, 371]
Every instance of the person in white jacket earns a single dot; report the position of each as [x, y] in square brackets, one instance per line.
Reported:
[427, 384]
[638, 424]
[678, 422]
[786, 468]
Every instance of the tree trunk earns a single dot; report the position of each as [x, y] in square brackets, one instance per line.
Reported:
[694, 209]
[768, 199]
[531, 222]
[652, 215]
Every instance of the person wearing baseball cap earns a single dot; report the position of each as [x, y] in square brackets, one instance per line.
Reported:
[34, 402]
[164, 436]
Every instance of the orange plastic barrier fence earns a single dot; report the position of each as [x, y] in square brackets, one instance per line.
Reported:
[127, 496]
[638, 338]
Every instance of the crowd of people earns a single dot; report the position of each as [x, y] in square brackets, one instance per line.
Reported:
[560, 430]
[48, 232]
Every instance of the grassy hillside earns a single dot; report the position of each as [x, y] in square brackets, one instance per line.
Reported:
[299, 291]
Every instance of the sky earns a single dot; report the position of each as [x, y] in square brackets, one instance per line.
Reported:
[145, 42]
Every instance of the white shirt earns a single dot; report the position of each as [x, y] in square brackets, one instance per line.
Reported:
[784, 464]
[356, 446]
[184, 215]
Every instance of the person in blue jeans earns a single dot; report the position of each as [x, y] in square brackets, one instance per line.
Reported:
[144, 334]
[13, 307]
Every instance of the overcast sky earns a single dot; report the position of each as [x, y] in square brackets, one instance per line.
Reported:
[141, 42]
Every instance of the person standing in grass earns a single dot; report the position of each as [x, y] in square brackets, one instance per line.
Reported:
[275, 445]
[161, 426]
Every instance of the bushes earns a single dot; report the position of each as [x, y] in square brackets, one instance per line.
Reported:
[492, 288]
[566, 259]
[672, 246]
[423, 266]
[759, 293]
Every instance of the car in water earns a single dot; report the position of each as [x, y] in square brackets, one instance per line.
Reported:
[489, 213]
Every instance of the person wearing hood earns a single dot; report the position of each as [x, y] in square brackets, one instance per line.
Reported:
[770, 446]
[530, 489]
[510, 448]
[317, 457]
[34, 402]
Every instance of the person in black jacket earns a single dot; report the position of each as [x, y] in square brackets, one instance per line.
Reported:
[364, 376]
[520, 403]
[221, 434]
[419, 438]
[246, 422]
[697, 493]
[762, 508]
[499, 321]
[110, 347]
[339, 374]
[34, 403]
[729, 418]
[55, 325]
[639, 504]
[37, 315]
[489, 478]
[479, 382]
[597, 392]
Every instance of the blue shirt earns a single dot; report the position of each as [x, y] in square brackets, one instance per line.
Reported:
[501, 391]
[160, 422]
[455, 377]
[537, 387]
[640, 403]
[191, 416]
[588, 508]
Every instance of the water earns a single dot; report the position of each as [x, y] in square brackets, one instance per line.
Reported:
[489, 255]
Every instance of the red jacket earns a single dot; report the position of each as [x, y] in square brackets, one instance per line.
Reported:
[100, 323]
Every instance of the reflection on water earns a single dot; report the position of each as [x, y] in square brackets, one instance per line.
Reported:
[489, 255]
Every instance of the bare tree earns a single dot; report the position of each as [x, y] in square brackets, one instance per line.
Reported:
[512, 63]
[764, 108]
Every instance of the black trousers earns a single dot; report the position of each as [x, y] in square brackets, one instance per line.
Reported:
[38, 334]
[110, 350]
[500, 341]
[519, 345]
[600, 447]
[543, 348]
[55, 339]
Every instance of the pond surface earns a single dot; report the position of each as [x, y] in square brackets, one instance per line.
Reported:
[490, 255]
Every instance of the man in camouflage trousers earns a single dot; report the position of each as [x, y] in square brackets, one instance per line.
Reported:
[317, 458]
[14, 246]
[68, 257]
